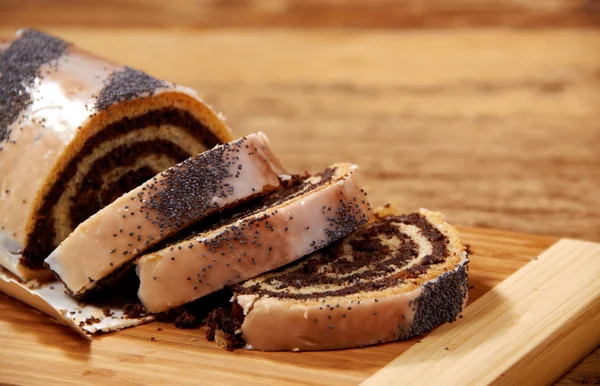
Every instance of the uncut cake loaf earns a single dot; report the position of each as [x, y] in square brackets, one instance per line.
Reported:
[76, 132]
[218, 179]
[395, 278]
[304, 216]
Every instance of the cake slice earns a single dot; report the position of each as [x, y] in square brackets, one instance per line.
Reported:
[395, 278]
[77, 132]
[222, 177]
[307, 215]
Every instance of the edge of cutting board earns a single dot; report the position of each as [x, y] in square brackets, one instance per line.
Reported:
[529, 329]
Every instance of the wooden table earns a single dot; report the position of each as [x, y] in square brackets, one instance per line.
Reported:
[497, 127]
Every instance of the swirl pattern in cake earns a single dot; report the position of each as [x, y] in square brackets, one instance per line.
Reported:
[78, 131]
[393, 279]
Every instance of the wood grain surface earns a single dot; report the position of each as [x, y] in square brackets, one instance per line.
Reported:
[496, 127]
[299, 13]
[541, 319]
[36, 350]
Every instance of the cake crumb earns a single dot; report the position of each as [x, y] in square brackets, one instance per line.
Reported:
[91, 320]
[187, 321]
[134, 310]
[223, 329]
[468, 249]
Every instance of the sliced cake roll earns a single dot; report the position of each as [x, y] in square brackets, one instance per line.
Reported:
[76, 132]
[307, 215]
[395, 278]
[222, 177]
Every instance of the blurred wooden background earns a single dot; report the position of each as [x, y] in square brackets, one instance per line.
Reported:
[486, 110]
[302, 13]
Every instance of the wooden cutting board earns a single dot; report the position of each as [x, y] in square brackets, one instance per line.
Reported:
[534, 311]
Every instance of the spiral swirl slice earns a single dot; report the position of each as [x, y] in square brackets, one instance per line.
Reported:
[76, 132]
[395, 278]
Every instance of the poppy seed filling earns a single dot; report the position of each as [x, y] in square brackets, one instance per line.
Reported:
[332, 267]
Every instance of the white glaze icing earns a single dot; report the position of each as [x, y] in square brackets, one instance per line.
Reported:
[49, 131]
[63, 100]
[272, 325]
[164, 275]
[86, 256]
